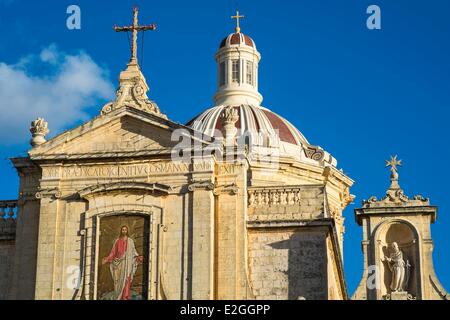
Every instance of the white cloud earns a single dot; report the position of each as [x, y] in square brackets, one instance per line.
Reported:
[56, 86]
[50, 54]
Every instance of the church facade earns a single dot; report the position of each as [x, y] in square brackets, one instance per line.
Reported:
[235, 204]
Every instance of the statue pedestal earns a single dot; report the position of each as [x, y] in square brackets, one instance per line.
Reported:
[400, 295]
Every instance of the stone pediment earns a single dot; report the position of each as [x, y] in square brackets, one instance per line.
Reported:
[123, 132]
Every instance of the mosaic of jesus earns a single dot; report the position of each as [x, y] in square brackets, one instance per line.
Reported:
[125, 279]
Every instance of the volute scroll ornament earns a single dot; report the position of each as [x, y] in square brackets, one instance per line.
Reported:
[201, 185]
[314, 153]
[53, 193]
[132, 93]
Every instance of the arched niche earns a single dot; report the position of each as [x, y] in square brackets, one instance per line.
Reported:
[109, 207]
[405, 235]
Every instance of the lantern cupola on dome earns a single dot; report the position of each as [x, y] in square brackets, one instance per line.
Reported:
[237, 60]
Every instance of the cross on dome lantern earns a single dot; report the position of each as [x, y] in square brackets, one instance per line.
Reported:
[237, 17]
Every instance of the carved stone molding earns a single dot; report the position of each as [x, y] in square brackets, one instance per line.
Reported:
[347, 198]
[107, 187]
[395, 197]
[314, 153]
[38, 129]
[132, 92]
[200, 185]
[228, 188]
[53, 193]
[399, 296]
[229, 118]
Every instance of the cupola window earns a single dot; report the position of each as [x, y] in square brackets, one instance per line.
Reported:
[222, 75]
[249, 72]
[235, 66]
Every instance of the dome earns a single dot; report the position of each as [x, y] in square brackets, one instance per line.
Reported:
[237, 39]
[251, 119]
[237, 115]
[265, 128]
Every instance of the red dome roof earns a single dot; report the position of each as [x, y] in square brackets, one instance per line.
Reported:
[251, 118]
[237, 39]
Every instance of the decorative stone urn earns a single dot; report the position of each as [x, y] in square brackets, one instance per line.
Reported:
[38, 129]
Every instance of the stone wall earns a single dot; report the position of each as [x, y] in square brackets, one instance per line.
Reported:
[8, 214]
[7, 248]
[288, 264]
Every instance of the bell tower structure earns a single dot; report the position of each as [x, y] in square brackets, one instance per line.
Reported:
[397, 246]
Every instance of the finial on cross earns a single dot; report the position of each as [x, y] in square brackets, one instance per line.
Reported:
[237, 17]
[393, 163]
[135, 28]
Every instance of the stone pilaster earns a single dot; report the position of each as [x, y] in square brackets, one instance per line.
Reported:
[201, 236]
[27, 223]
[231, 234]
[48, 239]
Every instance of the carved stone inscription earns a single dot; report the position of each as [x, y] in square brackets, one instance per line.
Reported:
[122, 170]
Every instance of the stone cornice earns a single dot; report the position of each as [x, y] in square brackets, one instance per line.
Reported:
[24, 164]
[285, 223]
[334, 175]
[100, 121]
[103, 155]
[109, 187]
[361, 213]
[396, 198]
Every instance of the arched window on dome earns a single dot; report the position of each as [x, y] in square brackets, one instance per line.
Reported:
[235, 67]
[222, 73]
[249, 72]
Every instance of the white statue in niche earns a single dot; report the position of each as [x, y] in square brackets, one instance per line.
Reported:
[399, 268]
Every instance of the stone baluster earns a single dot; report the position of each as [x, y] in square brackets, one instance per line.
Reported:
[2, 217]
[2, 210]
[10, 213]
[8, 210]
[7, 218]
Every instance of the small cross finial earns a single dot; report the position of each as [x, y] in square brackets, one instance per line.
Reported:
[135, 28]
[393, 163]
[237, 17]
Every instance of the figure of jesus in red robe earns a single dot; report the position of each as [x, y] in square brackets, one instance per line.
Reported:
[123, 260]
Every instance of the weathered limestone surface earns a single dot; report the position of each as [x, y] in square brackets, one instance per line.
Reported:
[288, 264]
[7, 248]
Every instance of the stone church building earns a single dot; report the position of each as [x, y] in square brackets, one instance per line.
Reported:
[235, 204]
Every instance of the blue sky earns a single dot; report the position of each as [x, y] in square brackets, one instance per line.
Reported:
[360, 94]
